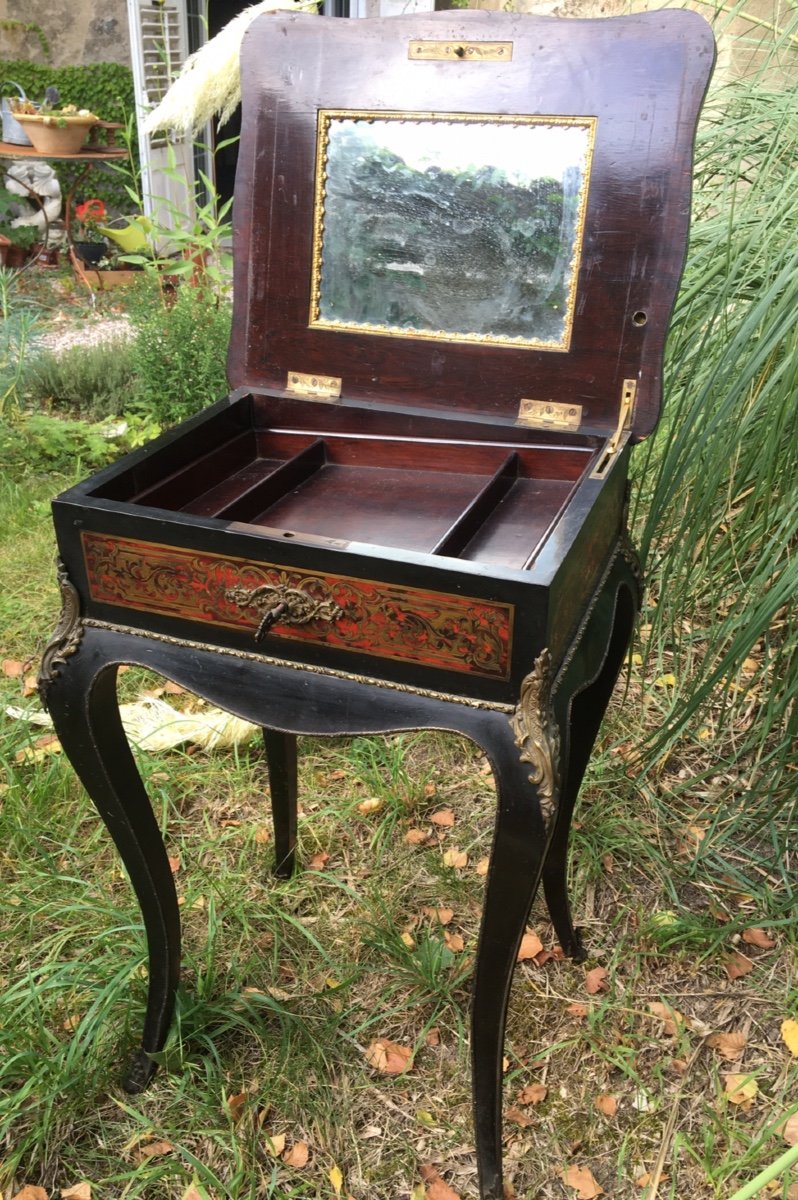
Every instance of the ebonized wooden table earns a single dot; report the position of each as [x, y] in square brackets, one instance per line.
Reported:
[410, 512]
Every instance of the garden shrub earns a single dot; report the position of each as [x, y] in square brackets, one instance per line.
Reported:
[41, 442]
[94, 381]
[180, 354]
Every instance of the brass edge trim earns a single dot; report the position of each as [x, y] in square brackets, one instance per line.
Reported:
[65, 638]
[537, 735]
[468, 701]
[327, 115]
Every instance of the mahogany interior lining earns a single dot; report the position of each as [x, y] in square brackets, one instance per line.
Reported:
[488, 502]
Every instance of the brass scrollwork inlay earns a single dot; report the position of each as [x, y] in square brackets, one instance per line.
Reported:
[537, 735]
[284, 605]
[66, 637]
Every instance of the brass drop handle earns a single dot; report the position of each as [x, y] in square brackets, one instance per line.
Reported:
[288, 605]
[270, 618]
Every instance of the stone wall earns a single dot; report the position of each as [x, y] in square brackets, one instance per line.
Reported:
[79, 31]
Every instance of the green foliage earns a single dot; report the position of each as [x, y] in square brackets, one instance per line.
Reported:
[18, 319]
[95, 381]
[180, 353]
[9, 25]
[41, 442]
[20, 235]
[106, 89]
[717, 508]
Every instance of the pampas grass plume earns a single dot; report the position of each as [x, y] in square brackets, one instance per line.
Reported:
[209, 83]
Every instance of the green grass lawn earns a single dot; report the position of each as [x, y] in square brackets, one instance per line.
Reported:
[286, 985]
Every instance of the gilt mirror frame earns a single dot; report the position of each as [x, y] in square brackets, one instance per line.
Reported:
[325, 215]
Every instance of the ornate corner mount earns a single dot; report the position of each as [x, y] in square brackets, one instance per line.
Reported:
[537, 735]
[66, 637]
[280, 604]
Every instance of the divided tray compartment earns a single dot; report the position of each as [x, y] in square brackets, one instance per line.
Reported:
[485, 501]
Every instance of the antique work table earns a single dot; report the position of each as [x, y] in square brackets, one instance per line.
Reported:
[410, 512]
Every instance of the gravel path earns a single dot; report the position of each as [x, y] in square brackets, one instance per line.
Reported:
[90, 333]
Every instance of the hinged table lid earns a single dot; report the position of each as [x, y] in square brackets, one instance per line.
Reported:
[474, 213]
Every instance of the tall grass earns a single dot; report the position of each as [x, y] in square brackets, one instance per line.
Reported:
[717, 504]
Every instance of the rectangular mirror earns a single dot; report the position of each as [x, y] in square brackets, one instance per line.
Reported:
[461, 227]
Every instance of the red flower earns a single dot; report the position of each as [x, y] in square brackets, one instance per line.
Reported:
[91, 210]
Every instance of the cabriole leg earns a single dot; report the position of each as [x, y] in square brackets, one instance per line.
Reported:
[515, 869]
[582, 713]
[281, 759]
[83, 704]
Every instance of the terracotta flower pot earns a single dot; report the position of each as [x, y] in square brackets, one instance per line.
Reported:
[53, 134]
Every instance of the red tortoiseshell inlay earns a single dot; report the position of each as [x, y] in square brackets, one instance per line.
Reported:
[436, 629]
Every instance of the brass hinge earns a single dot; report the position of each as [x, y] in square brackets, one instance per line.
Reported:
[313, 387]
[610, 451]
[547, 414]
[461, 51]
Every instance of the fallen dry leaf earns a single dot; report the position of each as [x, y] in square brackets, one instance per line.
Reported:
[433, 1037]
[31, 1192]
[577, 1010]
[236, 1105]
[373, 804]
[263, 835]
[741, 1090]
[388, 1058]
[644, 1180]
[596, 981]
[728, 1045]
[582, 1179]
[81, 1191]
[298, 1155]
[482, 866]
[336, 1179]
[442, 915]
[606, 1104]
[672, 1019]
[758, 937]
[444, 817]
[738, 965]
[533, 1093]
[192, 1192]
[789, 1034]
[455, 858]
[318, 862]
[414, 837]
[435, 1187]
[530, 946]
[152, 1150]
[13, 668]
[520, 1118]
[274, 1143]
[407, 938]
[789, 1130]
[174, 863]
[454, 941]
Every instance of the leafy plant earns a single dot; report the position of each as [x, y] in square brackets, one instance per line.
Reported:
[10, 25]
[717, 507]
[93, 381]
[180, 353]
[18, 320]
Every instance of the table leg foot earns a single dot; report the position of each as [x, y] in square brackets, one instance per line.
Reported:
[282, 762]
[139, 1073]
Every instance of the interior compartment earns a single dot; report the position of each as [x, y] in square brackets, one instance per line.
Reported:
[488, 501]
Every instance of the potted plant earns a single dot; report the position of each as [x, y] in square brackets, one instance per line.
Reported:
[55, 131]
[18, 240]
[87, 240]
